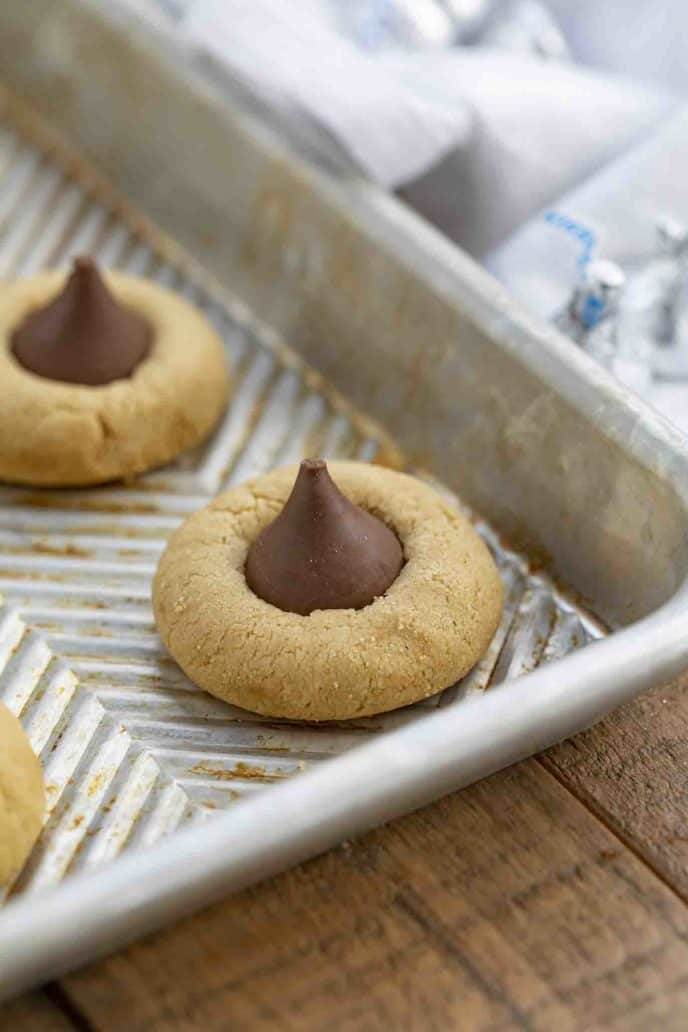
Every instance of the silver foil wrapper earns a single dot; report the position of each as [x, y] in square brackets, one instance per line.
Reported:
[525, 27]
[594, 301]
[597, 321]
[522, 26]
[377, 25]
[470, 17]
[655, 303]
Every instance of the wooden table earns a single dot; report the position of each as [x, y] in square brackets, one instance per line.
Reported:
[551, 896]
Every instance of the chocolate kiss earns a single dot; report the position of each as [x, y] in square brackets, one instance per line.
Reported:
[84, 335]
[322, 551]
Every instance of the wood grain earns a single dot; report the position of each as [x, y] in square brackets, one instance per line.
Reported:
[505, 906]
[632, 770]
[34, 1013]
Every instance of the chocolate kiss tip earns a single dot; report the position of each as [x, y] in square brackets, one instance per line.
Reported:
[84, 335]
[84, 262]
[322, 551]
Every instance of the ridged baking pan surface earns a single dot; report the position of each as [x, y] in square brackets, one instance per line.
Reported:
[131, 750]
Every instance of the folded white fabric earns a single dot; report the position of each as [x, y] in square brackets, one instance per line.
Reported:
[296, 59]
[539, 128]
[643, 40]
[479, 139]
[619, 206]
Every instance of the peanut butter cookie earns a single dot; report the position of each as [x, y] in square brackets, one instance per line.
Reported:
[421, 620]
[22, 798]
[102, 378]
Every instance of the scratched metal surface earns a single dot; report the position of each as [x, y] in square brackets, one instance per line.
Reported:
[131, 750]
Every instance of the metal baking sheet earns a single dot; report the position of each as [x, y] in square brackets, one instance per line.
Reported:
[130, 748]
[132, 752]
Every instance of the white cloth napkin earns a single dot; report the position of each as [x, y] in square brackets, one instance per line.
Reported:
[619, 205]
[642, 40]
[294, 58]
[538, 129]
[477, 139]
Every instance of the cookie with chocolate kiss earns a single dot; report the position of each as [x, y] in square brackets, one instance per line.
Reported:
[322, 551]
[292, 597]
[103, 376]
[84, 335]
